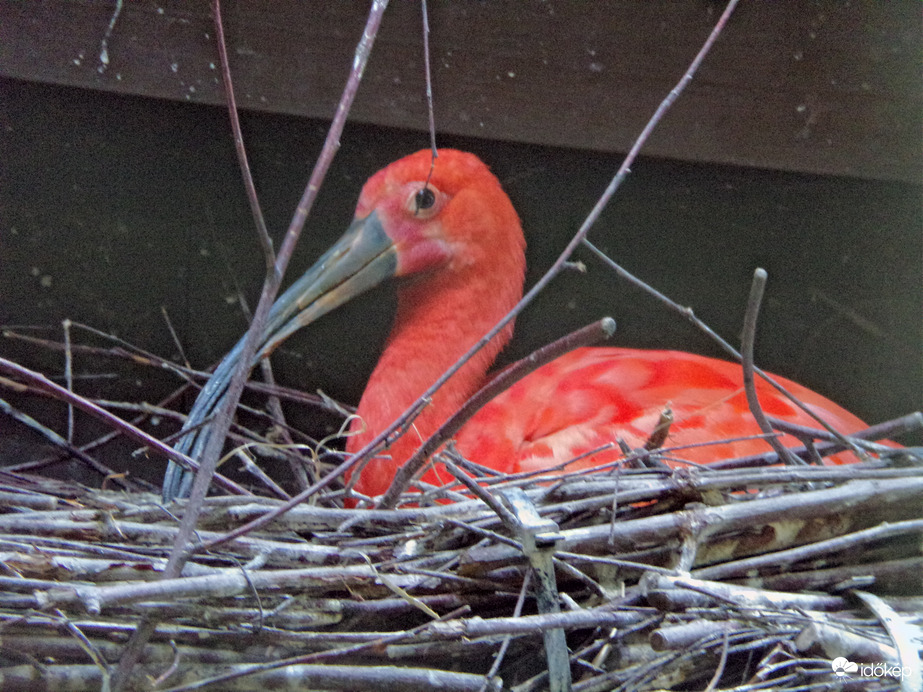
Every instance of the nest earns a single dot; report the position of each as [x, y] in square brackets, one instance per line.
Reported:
[743, 579]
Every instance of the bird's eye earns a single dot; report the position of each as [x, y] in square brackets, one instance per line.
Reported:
[423, 200]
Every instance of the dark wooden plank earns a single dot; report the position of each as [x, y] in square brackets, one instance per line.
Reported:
[825, 86]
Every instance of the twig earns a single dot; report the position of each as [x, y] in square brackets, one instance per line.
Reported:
[54, 438]
[903, 636]
[353, 461]
[898, 426]
[539, 536]
[258, 221]
[805, 433]
[130, 350]
[427, 66]
[69, 378]
[504, 647]
[742, 596]
[299, 677]
[757, 288]
[591, 334]
[274, 405]
[139, 356]
[357, 677]
[784, 559]
[482, 493]
[219, 428]
[719, 669]
[686, 634]
[43, 383]
[828, 637]
[173, 335]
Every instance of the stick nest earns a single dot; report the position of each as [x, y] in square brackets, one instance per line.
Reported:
[745, 579]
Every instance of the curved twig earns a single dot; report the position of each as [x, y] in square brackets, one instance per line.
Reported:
[748, 340]
[262, 233]
[688, 313]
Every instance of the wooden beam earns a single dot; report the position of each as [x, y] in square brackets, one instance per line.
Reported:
[826, 86]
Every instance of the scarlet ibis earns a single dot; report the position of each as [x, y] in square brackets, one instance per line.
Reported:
[453, 238]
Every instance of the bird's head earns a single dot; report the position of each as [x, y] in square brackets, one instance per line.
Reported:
[450, 220]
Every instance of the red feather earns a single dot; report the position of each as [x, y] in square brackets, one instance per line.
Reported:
[465, 265]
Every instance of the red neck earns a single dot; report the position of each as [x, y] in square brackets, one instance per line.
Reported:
[438, 320]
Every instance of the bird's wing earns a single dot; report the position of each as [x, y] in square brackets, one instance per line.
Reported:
[593, 397]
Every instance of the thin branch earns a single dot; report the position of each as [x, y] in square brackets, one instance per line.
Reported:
[482, 494]
[757, 288]
[909, 423]
[258, 220]
[591, 334]
[55, 439]
[43, 383]
[504, 647]
[69, 378]
[221, 425]
[358, 676]
[719, 669]
[427, 64]
[784, 559]
[173, 335]
[905, 637]
[805, 433]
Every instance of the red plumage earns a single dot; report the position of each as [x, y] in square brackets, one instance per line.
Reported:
[462, 264]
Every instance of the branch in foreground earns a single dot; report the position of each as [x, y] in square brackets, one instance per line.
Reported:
[757, 288]
[219, 428]
[42, 383]
[589, 335]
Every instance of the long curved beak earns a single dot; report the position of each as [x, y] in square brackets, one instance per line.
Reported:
[363, 258]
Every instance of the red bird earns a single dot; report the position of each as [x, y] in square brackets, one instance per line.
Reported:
[455, 241]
